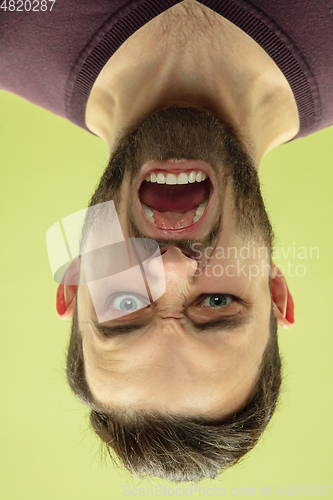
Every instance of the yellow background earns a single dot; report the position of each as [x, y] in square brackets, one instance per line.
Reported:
[49, 168]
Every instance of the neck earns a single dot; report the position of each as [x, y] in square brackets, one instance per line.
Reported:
[191, 56]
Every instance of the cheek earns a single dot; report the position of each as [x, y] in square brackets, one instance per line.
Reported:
[125, 209]
[84, 305]
[221, 277]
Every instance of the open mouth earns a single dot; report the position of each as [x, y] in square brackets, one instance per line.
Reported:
[175, 201]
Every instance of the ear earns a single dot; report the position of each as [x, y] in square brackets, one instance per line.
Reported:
[66, 293]
[283, 303]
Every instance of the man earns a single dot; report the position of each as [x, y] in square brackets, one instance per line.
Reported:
[189, 97]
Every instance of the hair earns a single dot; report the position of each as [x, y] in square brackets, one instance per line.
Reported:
[174, 447]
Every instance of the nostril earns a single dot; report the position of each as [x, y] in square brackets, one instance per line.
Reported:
[184, 252]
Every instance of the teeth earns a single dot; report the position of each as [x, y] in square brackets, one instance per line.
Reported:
[191, 177]
[198, 177]
[182, 178]
[160, 179]
[149, 213]
[200, 210]
[172, 179]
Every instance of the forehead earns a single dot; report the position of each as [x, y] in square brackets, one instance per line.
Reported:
[162, 370]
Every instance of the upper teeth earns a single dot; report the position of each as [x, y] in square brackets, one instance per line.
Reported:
[172, 179]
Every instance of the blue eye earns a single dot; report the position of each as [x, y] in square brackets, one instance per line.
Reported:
[217, 300]
[127, 302]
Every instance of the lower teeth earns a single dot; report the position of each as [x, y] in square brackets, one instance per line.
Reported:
[198, 214]
[149, 213]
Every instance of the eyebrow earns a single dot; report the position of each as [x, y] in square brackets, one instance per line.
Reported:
[106, 332]
[224, 323]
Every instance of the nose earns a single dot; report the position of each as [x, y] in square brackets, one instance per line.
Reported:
[178, 267]
[178, 272]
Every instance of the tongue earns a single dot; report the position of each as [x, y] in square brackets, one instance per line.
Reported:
[174, 220]
[179, 198]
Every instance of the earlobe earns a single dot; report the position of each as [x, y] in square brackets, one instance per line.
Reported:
[283, 303]
[66, 293]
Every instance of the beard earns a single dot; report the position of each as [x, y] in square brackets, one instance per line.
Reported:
[189, 133]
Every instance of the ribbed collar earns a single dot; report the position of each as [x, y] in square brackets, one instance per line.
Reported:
[244, 15]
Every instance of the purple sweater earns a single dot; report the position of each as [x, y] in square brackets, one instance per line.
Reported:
[52, 58]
